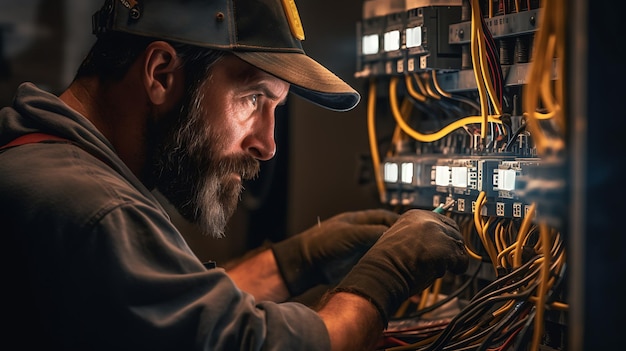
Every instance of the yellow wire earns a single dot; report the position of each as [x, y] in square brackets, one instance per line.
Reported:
[478, 53]
[473, 254]
[430, 91]
[467, 231]
[483, 227]
[502, 256]
[504, 308]
[502, 245]
[484, 65]
[543, 286]
[472, 330]
[409, 87]
[555, 47]
[436, 290]
[560, 83]
[487, 242]
[561, 306]
[438, 87]
[499, 240]
[555, 305]
[549, 42]
[371, 128]
[402, 309]
[478, 222]
[423, 298]
[433, 136]
[540, 82]
[397, 137]
[474, 50]
[398, 134]
[546, 76]
[420, 84]
[484, 68]
[524, 229]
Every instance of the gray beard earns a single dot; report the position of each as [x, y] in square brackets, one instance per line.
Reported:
[214, 205]
[194, 177]
[215, 202]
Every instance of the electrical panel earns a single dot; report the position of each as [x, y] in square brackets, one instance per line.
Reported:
[466, 116]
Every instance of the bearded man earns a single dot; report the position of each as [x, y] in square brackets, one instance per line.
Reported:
[179, 97]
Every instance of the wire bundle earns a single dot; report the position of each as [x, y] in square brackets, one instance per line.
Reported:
[542, 99]
[529, 265]
[483, 60]
[526, 256]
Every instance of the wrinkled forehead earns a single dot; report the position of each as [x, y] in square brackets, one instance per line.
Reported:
[238, 70]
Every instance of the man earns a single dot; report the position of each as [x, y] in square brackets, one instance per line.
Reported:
[179, 96]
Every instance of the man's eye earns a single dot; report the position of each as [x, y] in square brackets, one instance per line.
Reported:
[254, 98]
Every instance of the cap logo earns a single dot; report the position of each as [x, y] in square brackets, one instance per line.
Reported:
[129, 4]
[293, 18]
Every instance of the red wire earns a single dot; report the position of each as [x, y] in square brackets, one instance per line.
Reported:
[507, 342]
[494, 64]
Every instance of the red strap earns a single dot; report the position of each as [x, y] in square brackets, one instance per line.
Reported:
[37, 138]
[32, 138]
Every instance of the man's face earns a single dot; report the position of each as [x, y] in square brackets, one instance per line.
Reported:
[221, 134]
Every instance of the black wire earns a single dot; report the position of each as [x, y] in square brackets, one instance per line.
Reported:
[527, 326]
[476, 314]
[455, 110]
[495, 287]
[443, 301]
[501, 283]
[512, 327]
[521, 128]
[464, 100]
[446, 101]
[504, 323]
[508, 128]
[445, 336]
[428, 109]
[497, 77]
[480, 303]
[477, 304]
[491, 297]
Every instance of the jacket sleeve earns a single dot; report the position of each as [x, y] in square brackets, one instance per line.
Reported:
[102, 267]
[142, 288]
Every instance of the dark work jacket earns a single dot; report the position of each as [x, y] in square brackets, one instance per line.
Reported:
[91, 260]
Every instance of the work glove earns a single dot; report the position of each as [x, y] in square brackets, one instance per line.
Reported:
[324, 253]
[419, 248]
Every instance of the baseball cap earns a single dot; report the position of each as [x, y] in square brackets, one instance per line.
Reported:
[267, 34]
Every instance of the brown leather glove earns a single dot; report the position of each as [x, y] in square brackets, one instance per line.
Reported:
[419, 248]
[324, 253]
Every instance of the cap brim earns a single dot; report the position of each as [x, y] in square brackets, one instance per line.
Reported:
[309, 79]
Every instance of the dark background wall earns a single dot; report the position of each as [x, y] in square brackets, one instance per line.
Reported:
[42, 41]
[329, 150]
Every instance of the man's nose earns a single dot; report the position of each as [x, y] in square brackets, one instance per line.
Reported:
[261, 143]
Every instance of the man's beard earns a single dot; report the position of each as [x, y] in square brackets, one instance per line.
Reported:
[190, 172]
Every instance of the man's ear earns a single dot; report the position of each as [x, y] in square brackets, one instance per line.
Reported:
[162, 73]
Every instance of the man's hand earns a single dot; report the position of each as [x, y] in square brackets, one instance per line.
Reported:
[419, 248]
[324, 253]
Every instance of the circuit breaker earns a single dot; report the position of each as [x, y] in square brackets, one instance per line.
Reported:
[475, 95]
